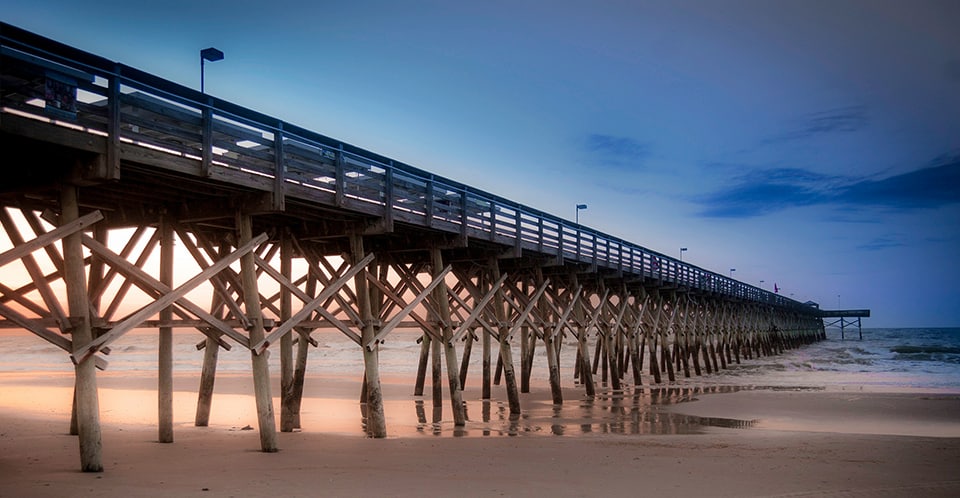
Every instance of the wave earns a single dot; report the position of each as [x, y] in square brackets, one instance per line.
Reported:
[925, 350]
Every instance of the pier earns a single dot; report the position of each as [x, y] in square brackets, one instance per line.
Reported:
[291, 234]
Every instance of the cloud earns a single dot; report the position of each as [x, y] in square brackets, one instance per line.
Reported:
[841, 120]
[924, 188]
[616, 152]
[880, 243]
[765, 191]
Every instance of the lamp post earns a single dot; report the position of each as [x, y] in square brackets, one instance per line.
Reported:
[731, 272]
[208, 54]
[682, 250]
[761, 284]
[579, 207]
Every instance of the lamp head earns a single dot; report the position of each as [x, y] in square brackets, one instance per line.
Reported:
[211, 54]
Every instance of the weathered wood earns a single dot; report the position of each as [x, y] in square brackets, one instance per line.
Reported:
[506, 352]
[24, 248]
[87, 402]
[165, 353]
[450, 353]
[376, 423]
[287, 415]
[33, 269]
[151, 285]
[251, 303]
[314, 305]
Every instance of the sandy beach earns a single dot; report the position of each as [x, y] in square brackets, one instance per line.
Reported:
[706, 442]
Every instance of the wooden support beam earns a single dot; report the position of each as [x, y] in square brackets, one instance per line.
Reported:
[251, 303]
[287, 416]
[85, 389]
[478, 309]
[152, 286]
[139, 316]
[314, 305]
[450, 353]
[24, 248]
[506, 352]
[33, 269]
[398, 318]
[376, 423]
[165, 350]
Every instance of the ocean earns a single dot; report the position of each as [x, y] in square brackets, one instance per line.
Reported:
[889, 360]
[896, 358]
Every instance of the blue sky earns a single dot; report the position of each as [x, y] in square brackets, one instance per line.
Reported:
[811, 144]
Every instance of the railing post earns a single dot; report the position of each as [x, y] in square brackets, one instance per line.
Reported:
[493, 220]
[428, 203]
[206, 155]
[113, 125]
[388, 197]
[341, 179]
[279, 171]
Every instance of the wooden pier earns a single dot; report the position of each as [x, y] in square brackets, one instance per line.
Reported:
[292, 233]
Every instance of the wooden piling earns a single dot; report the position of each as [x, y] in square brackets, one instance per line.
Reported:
[376, 423]
[450, 353]
[506, 353]
[165, 353]
[261, 368]
[88, 404]
[288, 418]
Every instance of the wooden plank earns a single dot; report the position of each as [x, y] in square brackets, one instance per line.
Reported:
[478, 309]
[37, 328]
[331, 319]
[146, 282]
[261, 346]
[149, 310]
[50, 237]
[398, 318]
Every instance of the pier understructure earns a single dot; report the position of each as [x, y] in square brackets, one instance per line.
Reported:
[286, 234]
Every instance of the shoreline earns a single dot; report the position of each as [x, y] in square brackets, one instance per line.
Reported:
[797, 442]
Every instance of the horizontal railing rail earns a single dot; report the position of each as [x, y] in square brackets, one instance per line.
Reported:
[132, 107]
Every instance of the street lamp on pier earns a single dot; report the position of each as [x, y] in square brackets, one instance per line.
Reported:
[579, 207]
[731, 272]
[682, 250]
[208, 54]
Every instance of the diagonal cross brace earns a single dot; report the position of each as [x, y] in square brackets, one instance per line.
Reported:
[50, 237]
[143, 280]
[477, 310]
[44, 333]
[149, 310]
[389, 326]
[310, 307]
[303, 296]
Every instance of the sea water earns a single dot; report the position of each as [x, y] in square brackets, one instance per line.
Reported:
[913, 358]
[906, 359]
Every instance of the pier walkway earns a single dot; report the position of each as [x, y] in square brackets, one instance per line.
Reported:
[292, 233]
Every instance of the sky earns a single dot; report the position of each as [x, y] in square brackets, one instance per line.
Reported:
[810, 144]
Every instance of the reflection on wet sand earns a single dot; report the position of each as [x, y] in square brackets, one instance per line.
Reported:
[629, 411]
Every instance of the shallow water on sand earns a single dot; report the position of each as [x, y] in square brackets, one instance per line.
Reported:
[889, 359]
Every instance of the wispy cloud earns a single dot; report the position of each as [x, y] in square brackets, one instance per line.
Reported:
[762, 192]
[841, 120]
[766, 191]
[880, 243]
[924, 188]
[616, 152]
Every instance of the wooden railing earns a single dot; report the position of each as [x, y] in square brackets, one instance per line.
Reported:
[207, 136]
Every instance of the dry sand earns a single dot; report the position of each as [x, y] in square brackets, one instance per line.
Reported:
[793, 443]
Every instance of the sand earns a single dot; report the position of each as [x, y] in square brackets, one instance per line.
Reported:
[785, 443]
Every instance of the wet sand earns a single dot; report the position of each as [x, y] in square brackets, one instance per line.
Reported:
[706, 441]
